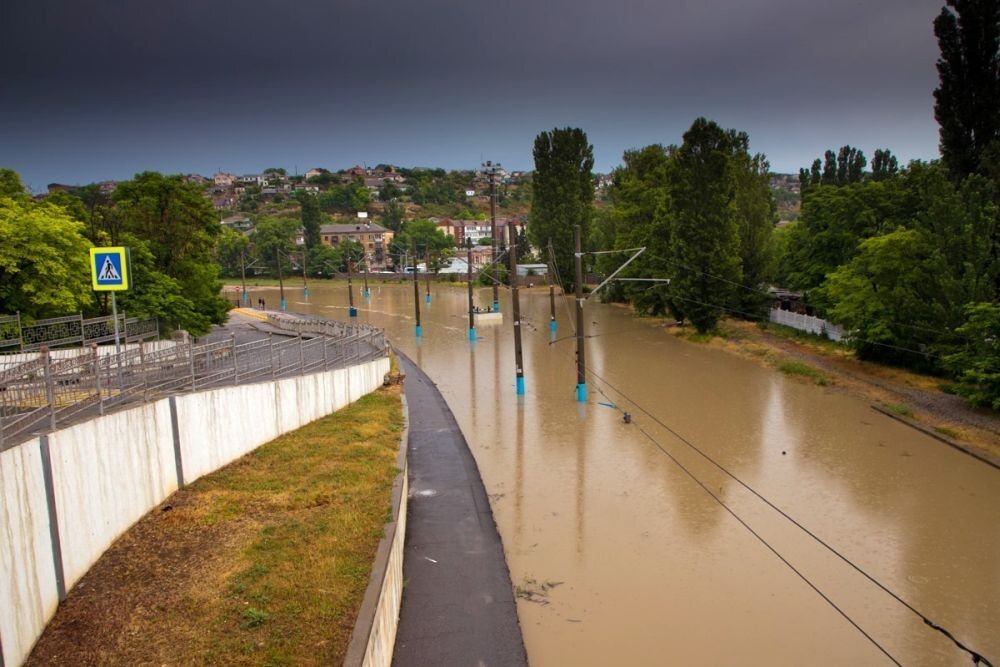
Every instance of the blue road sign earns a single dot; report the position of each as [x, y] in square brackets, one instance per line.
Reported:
[109, 269]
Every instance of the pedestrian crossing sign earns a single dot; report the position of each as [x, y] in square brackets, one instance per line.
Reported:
[109, 269]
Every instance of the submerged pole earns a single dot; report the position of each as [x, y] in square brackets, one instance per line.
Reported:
[427, 280]
[515, 304]
[552, 302]
[281, 282]
[367, 293]
[351, 310]
[472, 320]
[581, 367]
[243, 274]
[492, 173]
[416, 288]
[305, 270]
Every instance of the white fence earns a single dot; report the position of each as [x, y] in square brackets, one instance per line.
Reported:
[813, 325]
[66, 496]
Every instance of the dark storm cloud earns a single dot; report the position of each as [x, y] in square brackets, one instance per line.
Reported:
[407, 79]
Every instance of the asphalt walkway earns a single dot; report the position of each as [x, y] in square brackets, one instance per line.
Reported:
[458, 603]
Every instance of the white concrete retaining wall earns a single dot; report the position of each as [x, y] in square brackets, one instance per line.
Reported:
[374, 636]
[108, 472]
[28, 596]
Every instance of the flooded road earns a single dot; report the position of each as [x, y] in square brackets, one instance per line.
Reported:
[623, 556]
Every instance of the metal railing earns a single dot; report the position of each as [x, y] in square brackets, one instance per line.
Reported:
[72, 329]
[42, 394]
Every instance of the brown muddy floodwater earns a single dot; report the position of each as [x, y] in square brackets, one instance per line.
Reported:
[624, 559]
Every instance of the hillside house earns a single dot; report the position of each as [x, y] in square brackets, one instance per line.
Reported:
[373, 238]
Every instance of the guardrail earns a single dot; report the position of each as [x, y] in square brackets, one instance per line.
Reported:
[39, 395]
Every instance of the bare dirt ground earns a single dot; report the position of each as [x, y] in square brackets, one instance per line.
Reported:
[913, 398]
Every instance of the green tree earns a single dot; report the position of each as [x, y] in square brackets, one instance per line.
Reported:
[884, 165]
[967, 99]
[353, 252]
[392, 216]
[892, 296]
[312, 218]
[10, 184]
[705, 240]
[388, 191]
[829, 176]
[562, 194]
[232, 252]
[274, 240]
[325, 261]
[833, 221]
[155, 294]
[639, 216]
[430, 239]
[44, 260]
[180, 227]
[850, 165]
[523, 246]
[756, 212]
[977, 364]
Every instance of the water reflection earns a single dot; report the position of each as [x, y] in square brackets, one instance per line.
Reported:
[654, 570]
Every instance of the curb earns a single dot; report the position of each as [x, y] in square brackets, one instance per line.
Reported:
[988, 459]
[374, 634]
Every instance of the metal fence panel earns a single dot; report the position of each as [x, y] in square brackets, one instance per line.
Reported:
[41, 393]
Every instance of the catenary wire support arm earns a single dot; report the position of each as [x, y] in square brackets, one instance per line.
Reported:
[637, 251]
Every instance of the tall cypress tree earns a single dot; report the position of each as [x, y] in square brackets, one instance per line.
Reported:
[562, 195]
[311, 219]
[705, 249]
[967, 101]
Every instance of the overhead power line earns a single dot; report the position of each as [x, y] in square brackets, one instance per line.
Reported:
[977, 658]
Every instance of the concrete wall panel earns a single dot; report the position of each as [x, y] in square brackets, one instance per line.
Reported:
[112, 470]
[218, 426]
[108, 473]
[28, 595]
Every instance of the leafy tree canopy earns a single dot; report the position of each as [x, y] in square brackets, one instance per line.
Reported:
[44, 260]
[967, 99]
[562, 194]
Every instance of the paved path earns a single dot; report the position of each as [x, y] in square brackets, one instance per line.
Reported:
[458, 602]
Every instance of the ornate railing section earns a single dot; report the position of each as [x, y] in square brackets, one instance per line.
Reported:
[16, 335]
[43, 393]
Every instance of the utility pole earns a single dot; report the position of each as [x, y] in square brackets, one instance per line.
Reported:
[581, 366]
[281, 282]
[367, 293]
[351, 310]
[243, 274]
[416, 288]
[305, 284]
[515, 304]
[427, 279]
[552, 293]
[491, 172]
[472, 320]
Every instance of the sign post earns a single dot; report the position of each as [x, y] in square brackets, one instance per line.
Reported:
[109, 272]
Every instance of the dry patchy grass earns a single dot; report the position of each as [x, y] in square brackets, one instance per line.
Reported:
[264, 562]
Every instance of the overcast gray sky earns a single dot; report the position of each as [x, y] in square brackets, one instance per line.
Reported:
[100, 90]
